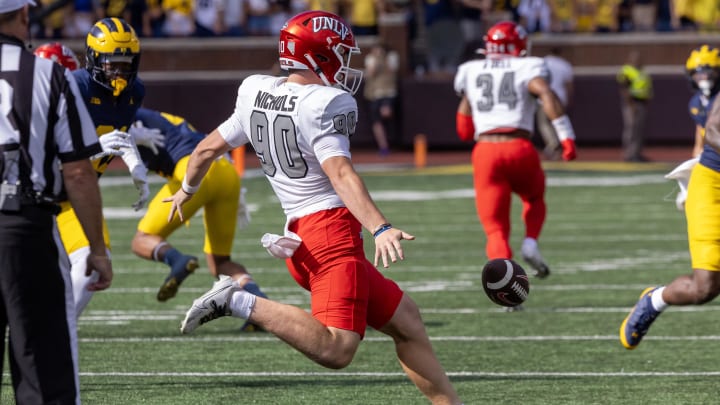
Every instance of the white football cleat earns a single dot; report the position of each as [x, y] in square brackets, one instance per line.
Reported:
[211, 305]
[531, 254]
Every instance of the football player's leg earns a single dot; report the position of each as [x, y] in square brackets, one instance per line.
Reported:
[492, 200]
[80, 281]
[528, 181]
[325, 345]
[77, 247]
[702, 212]
[330, 335]
[220, 220]
[396, 315]
[703, 221]
[150, 240]
[338, 281]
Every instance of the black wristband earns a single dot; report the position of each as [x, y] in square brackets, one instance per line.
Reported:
[382, 228]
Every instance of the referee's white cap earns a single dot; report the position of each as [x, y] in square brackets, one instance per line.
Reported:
[7, 6]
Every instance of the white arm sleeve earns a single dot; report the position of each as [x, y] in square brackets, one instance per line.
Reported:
[232, 130]
[331, 145]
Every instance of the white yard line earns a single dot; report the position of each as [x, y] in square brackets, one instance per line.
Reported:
[520, 374]
[267, 338]
[176, 314]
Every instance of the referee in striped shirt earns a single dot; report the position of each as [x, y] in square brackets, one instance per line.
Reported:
[46, 138]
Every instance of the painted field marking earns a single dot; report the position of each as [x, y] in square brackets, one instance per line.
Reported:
[125, 317]
[520, 374]
[410, 195]
[267, 338]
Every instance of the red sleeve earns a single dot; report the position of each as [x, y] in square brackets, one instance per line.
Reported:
[465, 127]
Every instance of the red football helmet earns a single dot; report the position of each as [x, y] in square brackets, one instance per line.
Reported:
[58, 53]
[323, 42]
[506, 38]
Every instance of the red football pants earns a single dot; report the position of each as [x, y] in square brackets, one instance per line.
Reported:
[500, 169]
[346, 290]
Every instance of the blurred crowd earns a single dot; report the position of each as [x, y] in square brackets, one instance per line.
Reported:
[56, 19]
[442, 33]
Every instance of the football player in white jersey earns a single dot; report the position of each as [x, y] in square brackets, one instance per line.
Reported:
[561, 82]
[499, 97]
[300, 128]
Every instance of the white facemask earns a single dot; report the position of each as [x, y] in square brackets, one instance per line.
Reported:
[705, 86]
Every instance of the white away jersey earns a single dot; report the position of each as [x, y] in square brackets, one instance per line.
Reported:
[561, 72]
[497, 90]
[293, 129]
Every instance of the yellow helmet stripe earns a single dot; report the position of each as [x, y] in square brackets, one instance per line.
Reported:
[116, 25]
[113, 35]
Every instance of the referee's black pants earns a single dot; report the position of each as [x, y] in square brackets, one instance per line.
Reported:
[36, 304]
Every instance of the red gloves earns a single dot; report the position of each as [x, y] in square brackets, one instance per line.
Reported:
[568, 150]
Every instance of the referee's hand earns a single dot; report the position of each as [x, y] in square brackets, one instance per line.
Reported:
[102, 265]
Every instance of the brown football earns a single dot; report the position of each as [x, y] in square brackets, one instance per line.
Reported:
[505, 282]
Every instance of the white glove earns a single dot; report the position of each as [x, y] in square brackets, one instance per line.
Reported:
[243, 213]
[112, 143]
[139, 176]
[151, 138]
[138, 171]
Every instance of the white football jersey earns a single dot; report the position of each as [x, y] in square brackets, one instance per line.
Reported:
[293, 129]
[561, 72]
[496, 88]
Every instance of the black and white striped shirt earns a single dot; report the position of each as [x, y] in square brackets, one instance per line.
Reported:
[43, 115]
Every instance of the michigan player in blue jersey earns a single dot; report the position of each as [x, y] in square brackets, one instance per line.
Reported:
[702, 71]
[218, 194]
[702, 68]
[702, 209]
[112, 93]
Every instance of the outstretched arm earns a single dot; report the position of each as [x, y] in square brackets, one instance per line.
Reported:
[554, 110]
[199, 163]
[352, 191]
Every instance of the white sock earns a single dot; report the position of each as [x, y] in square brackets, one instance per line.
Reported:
[657, 301]
[530, 243]
[242, 304]
[156, 249]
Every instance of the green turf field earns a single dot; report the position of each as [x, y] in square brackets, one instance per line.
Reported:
[610, 232]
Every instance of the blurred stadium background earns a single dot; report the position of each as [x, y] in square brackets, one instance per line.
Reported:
[198, 77]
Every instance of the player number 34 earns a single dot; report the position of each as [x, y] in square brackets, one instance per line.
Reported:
[506, 93]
